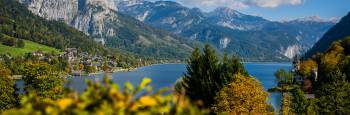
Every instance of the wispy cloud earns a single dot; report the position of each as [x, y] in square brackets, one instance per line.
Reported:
[238, 4]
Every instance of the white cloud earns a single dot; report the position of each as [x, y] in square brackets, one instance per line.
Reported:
[238, 4]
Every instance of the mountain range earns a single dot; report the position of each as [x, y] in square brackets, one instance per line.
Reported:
[166, 29]
[101, 20]
[252, 37]
[338, 32]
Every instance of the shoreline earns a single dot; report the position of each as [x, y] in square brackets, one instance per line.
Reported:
[242, 62]
[133, 69]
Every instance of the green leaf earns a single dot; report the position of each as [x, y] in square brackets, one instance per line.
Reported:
[129, 86]
[146, 81]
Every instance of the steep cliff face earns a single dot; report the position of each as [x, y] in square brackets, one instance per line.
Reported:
[292, 51]
[101, 20]
[18, 22]
[93, 19]
[89, 16]
[65, 10]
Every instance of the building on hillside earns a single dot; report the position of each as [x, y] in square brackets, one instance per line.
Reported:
[38, 53]
[84, 54]
[70, 53]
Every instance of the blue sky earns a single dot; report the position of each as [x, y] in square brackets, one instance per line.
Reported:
[278, 9]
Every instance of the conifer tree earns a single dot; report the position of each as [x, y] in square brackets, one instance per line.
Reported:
[299, 102]
[334, 95]
[206, 75]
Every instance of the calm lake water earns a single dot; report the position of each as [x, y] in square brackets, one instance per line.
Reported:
[167, 74]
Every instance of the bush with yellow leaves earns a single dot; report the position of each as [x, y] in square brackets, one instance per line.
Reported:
[105, 99]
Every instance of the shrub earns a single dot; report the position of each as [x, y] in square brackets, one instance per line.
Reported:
[106, 98]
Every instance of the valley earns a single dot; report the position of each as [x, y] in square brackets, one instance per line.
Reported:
[176, 57]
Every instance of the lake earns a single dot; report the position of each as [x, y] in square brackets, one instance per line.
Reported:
[166, 75]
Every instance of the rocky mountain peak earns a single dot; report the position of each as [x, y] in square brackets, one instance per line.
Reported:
[314, 19]
[227, 12]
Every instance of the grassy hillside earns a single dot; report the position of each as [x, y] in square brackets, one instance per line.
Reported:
[28, 48]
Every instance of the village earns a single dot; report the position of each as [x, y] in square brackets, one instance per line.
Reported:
[77, 63]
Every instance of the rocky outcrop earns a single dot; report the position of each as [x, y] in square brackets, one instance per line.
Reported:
[292, 51]
[65, 10]
[89, 16]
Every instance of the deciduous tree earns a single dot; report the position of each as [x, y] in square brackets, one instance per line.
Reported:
[43, 79]
[8, 98]
[245, 95]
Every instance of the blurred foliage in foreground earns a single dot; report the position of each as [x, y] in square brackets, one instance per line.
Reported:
[106, 98]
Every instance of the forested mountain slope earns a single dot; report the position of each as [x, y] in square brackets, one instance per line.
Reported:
[18, 22]
[101, 20]
[251, 37]
[338, 32]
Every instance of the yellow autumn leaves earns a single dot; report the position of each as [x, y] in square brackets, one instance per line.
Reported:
[244, 95]
[106, 98]
[148, 101]
[64, 103]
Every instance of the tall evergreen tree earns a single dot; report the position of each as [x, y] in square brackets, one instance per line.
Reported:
[334, 95]
[299, 102]
[206, 75]
[230, 67]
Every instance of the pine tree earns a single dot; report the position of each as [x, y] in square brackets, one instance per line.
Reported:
[206, 75]
[334, 94]
[198, 82]
[230, 67]
[299, 102]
